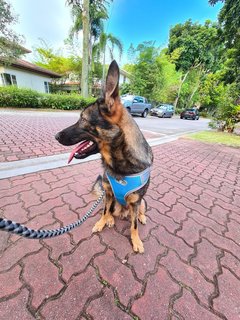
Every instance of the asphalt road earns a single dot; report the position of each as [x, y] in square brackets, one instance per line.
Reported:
[164, 126]
[171, 126]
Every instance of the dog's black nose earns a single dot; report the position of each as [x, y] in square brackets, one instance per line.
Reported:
[57, 136]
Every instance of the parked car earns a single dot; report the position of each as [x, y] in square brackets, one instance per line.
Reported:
[136, 104]
[191, 113]
[163, 111]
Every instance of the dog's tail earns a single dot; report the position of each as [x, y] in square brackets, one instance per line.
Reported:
[97, 188]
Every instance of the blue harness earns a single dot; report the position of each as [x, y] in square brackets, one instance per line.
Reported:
[128, 184]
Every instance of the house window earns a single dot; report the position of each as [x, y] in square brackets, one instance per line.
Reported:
[14, 80]
[46, 86]
[8, 79]
[2, 77]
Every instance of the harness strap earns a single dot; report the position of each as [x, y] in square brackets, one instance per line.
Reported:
[128, 184]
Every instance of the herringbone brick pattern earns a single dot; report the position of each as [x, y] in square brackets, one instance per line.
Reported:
[191, 265]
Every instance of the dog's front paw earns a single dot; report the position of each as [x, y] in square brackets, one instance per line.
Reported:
[142, 218]
[110, 222]
[98, 226]
[138, 245]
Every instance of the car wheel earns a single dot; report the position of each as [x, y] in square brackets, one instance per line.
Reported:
[181, 117]
[129, 110]
[193, 118]
[145, 113]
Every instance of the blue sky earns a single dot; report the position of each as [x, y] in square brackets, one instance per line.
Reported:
[133, 21]
[137, 20]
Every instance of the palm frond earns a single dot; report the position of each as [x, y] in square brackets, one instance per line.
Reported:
[115, 42]
[96, 52]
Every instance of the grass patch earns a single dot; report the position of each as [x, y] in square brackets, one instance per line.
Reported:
[227, 139]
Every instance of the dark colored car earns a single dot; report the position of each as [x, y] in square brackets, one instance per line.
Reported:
[192, 113]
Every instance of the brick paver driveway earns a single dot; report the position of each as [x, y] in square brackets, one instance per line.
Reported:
[191, 265]
[26, 135]
[30, 134]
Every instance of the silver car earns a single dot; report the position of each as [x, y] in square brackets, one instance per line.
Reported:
[163, 111]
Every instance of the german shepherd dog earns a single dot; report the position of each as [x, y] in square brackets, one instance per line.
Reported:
[106, 126]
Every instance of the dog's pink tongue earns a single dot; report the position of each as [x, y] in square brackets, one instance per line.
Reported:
[76, 150]
[72, 154]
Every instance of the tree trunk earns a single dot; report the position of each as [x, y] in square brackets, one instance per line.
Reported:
[193, 93]
[90, 82]
[85, 57]
[179, 89]
[103, 70]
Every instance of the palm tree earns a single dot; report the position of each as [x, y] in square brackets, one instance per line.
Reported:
[107, 41]
[97, 13]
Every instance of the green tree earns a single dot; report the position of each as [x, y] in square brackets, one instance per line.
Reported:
[197, 45]
[228, 111]
[211, 91]
[229, 20]
[190, 89]
[226, 93]
[230, 25]
[144, 71]
[10, 41]
[96, 14]
[85, 52]
[153, 75]
[128, 67]
[167, 79]
[131, 54]
[46, 57]
[194, 46]
[125, 88]
[106, 42]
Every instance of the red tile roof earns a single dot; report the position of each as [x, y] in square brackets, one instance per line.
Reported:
[22, 64]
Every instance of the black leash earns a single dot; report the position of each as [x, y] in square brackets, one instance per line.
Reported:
[21, 230]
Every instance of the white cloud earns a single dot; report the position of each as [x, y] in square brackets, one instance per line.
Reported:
[49, 20]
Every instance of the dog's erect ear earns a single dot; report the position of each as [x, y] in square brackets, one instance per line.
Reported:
[112, 88]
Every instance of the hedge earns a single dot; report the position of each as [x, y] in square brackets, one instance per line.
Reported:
[14, 97]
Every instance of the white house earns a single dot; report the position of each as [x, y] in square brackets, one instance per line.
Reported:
[26, 75]
[71, 84]
[125, 77]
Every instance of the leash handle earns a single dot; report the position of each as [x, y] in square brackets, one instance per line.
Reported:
[21, 230]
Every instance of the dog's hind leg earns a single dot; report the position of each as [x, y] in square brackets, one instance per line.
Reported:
[136, 241]
[107, 215]
[141, 212]
[133, 201]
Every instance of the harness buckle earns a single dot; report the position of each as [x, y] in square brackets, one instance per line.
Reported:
[122, 182]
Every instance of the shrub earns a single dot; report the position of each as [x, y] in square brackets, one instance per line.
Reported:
[11, 96]
[178, 110]
[125, 88]
[26, 98]
[204, 114]
[227, 114]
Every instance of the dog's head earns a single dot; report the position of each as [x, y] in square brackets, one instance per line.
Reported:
[98, 121]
